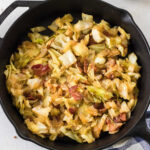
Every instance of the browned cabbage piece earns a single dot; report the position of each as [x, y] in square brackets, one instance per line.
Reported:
[78, 82]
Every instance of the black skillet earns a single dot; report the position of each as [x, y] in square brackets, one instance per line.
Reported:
[42, 13]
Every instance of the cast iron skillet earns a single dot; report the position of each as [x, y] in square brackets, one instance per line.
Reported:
[42, 13]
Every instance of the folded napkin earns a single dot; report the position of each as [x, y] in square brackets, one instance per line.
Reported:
[132, 143]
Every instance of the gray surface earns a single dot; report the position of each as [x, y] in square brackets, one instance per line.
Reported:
[140, 10]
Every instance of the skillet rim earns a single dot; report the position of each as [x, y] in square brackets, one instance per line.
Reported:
[130, 20]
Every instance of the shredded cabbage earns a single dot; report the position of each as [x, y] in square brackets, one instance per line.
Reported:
[100, 93]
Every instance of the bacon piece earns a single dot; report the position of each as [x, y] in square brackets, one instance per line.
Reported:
[40, 69]
[110, 76]
[73, 89]
[117, 119]
[111, 63]
[37, 66]
[72, 110]
[30, 96]
[102, 110]
[91, 41]
[79, 66]
[113, 127]
[123, 117]
[99, 105]
[108, 121]
[106, 33]
[96, 69]
[77, 95]
[81, 37]
[86, 64]
[58, 106]
[74, 93]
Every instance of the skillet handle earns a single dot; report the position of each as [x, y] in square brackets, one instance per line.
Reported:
[0, 41]
[143, 128]
[16, 4]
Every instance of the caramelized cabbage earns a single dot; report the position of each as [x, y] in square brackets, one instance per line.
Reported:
[77, 82]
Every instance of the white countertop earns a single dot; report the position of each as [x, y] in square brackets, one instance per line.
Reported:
[140, 10]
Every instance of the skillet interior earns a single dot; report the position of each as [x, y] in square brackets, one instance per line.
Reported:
[43, 15]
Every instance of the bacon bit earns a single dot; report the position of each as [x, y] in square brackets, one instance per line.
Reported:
[86, 64]
[91, 41]
[108, 121]
[74, 93]
[113, 127]
[73, 89]
[97, 70]
[111, 63]
[123, 117]
[106, 33]
[58, 106]
[40, 70]
[48, 46]
[38, 96]
[110, 76]
[29, 96]
[43, 82]
[15, 137]
[37, 66]
[117, 119]
[72, 110]
[32, 97]
[81, 37]
[57, 118]
[77, 95]
[79, 66]
[99, 105]
[102, 110]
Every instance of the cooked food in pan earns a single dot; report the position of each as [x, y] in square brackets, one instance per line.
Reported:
[78, 82]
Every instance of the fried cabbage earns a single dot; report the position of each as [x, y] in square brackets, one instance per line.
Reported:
[78, 82]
